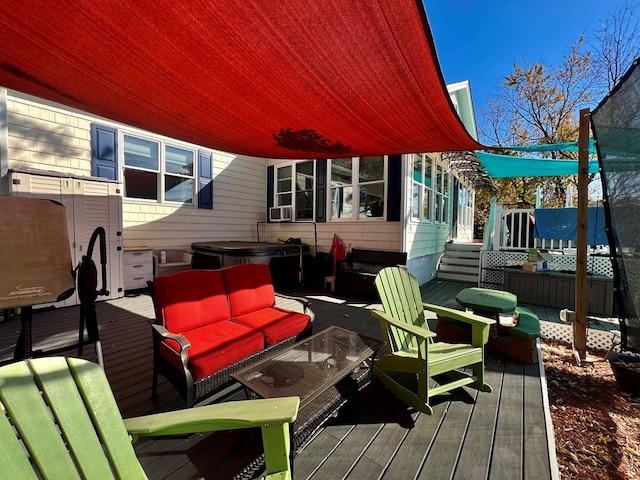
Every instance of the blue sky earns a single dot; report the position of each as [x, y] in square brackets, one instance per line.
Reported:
[480, 40]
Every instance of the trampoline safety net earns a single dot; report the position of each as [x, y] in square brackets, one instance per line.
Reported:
[616, 127]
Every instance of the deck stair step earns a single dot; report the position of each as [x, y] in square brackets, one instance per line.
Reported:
[447, 260]
[449, 268]
[460, 262]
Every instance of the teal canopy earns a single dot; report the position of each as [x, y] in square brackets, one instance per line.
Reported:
[552, 147]
[508, 166]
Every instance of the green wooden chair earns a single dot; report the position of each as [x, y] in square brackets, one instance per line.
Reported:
[411, 347]
[59, 420]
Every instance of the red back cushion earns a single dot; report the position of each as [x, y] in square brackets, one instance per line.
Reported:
[249, 288]
[190, 299]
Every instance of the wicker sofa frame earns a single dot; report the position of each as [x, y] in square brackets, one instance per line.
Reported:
[199, 391]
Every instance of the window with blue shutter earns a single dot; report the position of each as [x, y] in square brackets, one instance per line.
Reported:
[394, 194]
[205, 180]
[321, 191]
[104, 152]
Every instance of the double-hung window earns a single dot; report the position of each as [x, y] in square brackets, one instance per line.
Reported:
[157, 170]
[358, 187]
[153, 168]
[441, 190]
[465, 206]
[422, 188]
[295, 184]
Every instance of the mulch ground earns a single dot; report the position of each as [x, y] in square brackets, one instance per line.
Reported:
[596, 424]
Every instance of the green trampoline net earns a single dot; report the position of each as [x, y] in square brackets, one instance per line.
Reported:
[616, 128]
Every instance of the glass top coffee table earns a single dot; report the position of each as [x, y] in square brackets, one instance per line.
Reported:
[310, 367]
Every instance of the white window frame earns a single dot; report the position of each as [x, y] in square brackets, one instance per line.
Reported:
[423, 190]
[356, 186]
[293, 191]
[441, 214]
[465, 205]
[161, 172]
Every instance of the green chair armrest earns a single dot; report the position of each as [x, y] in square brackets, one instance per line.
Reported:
[211, 418]
[420, 332]
[459, 315]
[273, 416]
[453, 305]
[479, 324]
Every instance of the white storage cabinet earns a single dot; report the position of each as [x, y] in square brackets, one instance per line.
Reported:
[89, 203]
[137, 267]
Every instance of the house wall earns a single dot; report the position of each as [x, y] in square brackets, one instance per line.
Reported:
[465, 234]
[45, 136]
[376, 235]
[239, 191]
[425, 243]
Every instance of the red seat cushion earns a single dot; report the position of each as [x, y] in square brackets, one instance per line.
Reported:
[214, 347]
[276, 323]
[249, 288]
[190, 299]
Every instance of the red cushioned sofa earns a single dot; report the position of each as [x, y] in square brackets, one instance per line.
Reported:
[211, 323]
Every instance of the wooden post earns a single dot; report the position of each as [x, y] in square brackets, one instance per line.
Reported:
[582, 300]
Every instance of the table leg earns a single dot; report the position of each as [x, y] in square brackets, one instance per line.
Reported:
[23, 345]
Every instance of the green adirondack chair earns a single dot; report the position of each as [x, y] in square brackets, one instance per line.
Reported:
[411, 347]
[59, 420]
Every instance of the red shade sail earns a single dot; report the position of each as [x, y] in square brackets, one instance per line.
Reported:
[269, 78]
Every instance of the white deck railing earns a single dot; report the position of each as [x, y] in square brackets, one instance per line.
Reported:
[513, 230]
[512, 236]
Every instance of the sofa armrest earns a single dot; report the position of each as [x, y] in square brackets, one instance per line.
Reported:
[303, 301]
[162, 333]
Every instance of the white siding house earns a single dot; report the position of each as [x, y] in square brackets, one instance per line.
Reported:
[161, 192]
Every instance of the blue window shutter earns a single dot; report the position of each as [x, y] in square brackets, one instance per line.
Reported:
[321, 191]
[104, 152]
[394, 182]
[205, 181]
[271, 173]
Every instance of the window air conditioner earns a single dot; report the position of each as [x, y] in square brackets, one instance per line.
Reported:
[280, 214]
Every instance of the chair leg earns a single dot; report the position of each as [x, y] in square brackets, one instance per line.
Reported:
[277, 447]
[404, 394]
[478, 373]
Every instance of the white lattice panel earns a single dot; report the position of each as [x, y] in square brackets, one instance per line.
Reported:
[493, 262]
[596, 339]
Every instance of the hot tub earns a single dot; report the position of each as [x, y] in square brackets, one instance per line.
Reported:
[285, 260]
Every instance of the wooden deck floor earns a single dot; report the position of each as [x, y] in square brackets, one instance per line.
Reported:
[498, 435]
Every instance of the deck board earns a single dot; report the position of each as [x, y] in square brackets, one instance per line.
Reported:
[475, 455]
[536, 463]
[502, 435]
[444, 453]
[409, 458]
[506, 461]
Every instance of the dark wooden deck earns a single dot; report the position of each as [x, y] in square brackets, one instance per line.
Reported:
[498, 435]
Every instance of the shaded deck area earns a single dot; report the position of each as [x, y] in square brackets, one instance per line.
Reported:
[500, 435]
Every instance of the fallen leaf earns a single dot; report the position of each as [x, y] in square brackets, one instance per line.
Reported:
[632, 451]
